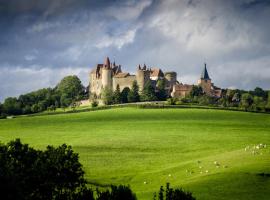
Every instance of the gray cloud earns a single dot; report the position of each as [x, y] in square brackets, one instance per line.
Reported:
[51, 39]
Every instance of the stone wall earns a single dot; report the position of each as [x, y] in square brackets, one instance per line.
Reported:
[123, 82]
[95, 85]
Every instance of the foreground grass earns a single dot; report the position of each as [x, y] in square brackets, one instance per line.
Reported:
[149, 147]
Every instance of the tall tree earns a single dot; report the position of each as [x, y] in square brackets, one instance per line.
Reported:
[161, 94]
[65, 101]
[71, 86]
[107, 96]
[258, 103]
[246, 101]
[260, 92]
[133, 95]
[148, 93]
[117, 95]
[196, 91]
[12, 106]
[124, 95]
[267, 106]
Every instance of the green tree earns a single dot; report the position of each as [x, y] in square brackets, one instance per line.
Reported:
[29, 174]
[148, 92]
[26, 109]
[124, 95]
[116, 193]
[94, 101]
[206, 100]
[246, 101]
[196, 91]
[161, 94]
[258, 103]
[260, 93]
[34, 108]
[133, 95]
[173, 194]
[117, 95]
[172, 101]
[267, 106]
[65, 101]
[107, 96]
[71, 87]
[12, 106]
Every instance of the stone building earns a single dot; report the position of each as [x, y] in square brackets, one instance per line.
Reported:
[110, 75]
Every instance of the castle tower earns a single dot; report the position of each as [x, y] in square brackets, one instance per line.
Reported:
[142, 76]
[205, 81]
[106, 74]
[171, 77]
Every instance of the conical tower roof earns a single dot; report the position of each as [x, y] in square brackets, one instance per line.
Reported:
[107, 62]
[204, 74]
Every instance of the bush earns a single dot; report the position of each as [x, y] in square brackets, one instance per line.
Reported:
[173, 194]
[116, 193]
[94, 103]
[171, 101]
[186, 100]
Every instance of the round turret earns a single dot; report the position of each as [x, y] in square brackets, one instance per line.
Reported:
[106, 77]
[140, 77]
[171, 77]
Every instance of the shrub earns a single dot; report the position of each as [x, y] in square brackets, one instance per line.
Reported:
[94, 103]
[171, 101]
[116, 193]
[173, 194]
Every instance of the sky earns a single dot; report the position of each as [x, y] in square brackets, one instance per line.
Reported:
[43, 41]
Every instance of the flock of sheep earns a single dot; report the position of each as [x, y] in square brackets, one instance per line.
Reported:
[255, 150]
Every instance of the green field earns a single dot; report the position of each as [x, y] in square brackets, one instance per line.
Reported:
[146, 148]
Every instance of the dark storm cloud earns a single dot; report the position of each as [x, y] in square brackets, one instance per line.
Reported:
[53, 38]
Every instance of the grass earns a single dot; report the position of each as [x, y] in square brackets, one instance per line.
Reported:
[133, 146]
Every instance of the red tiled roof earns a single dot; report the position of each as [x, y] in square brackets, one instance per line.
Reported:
[183, 87]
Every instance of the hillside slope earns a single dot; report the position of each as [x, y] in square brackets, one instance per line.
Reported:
[209, 152]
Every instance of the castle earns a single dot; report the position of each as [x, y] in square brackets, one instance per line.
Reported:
[110, 75]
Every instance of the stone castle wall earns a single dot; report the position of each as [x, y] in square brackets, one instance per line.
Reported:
[123, 82]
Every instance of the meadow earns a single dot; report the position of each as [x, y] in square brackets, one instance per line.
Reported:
[215, 154]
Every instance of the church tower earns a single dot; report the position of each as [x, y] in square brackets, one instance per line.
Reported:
[205, 81]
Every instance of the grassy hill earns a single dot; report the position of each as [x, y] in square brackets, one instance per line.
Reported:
[209, 152]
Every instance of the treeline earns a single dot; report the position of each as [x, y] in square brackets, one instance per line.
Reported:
[255, 100]
[149, 93]
[67, 92]
[57, 174]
